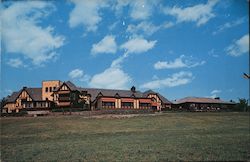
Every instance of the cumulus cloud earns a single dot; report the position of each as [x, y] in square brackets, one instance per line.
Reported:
[181, 62]
[139, 10]
[16, 63]
[106, 45]
[21, 33]
[174, 80]
[111, 78]
[76, 73]
[239, 47]
[200, 14]
[135, 45]
[114, 76]
[142, 9]
[86, 13]
[138, 45]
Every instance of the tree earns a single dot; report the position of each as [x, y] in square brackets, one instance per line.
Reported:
[3, 102]
[242, 105]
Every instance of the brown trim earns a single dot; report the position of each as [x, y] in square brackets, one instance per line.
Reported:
[127, 100]
[107, 99]
[148, 100]
[61, 87]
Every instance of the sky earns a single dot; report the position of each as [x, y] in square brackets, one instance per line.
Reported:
[177, 48]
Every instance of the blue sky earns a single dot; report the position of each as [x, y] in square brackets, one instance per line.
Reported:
[178, 48]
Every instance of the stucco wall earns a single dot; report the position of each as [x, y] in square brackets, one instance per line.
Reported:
[51, 85]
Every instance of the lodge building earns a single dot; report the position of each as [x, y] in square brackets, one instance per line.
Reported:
[202, 104]
[57, 94]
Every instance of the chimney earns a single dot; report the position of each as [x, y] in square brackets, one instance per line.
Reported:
[24, 87]
[133, 89]
[217, 98]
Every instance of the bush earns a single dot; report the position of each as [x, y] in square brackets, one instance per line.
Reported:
[67, 109]
[15, 114]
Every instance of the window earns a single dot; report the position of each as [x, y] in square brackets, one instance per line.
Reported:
[54, 88]
[145, 105]
[50, 89]
[42, 104]
[127, 105]
[28, 105]
[46, 89]
[108, 104]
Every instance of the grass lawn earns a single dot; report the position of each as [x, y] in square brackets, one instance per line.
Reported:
[171, 136]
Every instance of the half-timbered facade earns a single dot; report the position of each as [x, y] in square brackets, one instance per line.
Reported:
[26, 98]
[65, 94]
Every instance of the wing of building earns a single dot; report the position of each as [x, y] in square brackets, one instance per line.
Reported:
[202, 104]
[65, 94]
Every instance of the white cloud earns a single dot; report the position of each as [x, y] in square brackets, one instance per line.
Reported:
[113, 25]
[229, 25]
[176, 79]
[86, 13]
[111, 78]
[200, 13]
[138, 45]
[147, 28]
[114, 76]
[76, 74]
[167, 24]
[21, 33]
[106, 45]
[239, 47]
[135, 45]
[117, 62]
[215, 93]
[139, 10]
[212, 53]
[16, 63]
[180, 62]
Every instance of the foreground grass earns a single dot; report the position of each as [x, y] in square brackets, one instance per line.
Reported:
[172, 136]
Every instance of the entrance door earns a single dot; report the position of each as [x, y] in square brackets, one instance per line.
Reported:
[154, 108]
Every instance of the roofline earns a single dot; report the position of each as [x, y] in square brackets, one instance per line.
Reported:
[110, 89]
[229, 103]
[127, 97]
[51, 80]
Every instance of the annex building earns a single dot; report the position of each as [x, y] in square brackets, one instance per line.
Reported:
[202, 104]
[57, 94]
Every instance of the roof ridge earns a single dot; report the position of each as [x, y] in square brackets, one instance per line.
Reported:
[109, 89]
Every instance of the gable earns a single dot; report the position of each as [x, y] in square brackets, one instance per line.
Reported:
[64, 87]
[24, 95]
[155, 97]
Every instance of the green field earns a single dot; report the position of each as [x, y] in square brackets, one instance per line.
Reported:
[166, 137]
